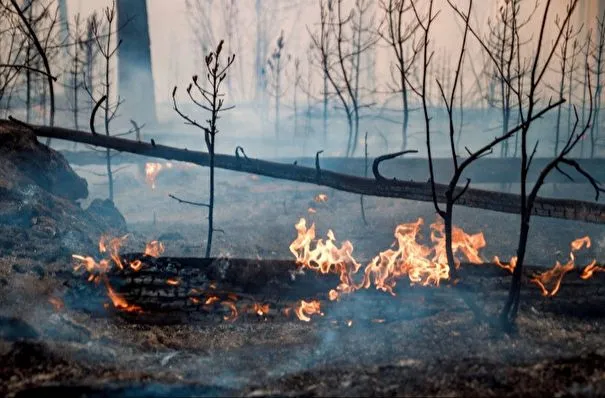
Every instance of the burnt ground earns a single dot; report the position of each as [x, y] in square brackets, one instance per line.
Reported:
[424, 341]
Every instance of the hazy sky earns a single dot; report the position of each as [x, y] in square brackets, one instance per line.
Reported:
[175, 56]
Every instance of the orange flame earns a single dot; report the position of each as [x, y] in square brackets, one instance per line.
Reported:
[115, 244]
[322, 197]
[173, 282]
[306, 309]
[590, 270]
[211, 300]
[549, 281]
[57, 303]
[154, 248]
[509, 267]
[119, 302]
[421, 264]
[152, 170]
[233, 316]
[260, 309]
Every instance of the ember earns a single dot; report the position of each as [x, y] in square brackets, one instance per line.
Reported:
[306, 309]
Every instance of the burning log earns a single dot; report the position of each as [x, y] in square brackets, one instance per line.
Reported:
[421, 191]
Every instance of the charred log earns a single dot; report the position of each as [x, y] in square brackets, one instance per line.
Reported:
[421, 191]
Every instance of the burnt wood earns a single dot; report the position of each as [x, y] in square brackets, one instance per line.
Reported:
[421, 191]
[488, 170]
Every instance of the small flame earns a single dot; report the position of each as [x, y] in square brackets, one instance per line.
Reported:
[233, 316]
[57, 303]
[590, 270]
[136, 265]
[211, 300]
[119, 302]
[113, 245]
[306, 309]
[154, 248]
[509, 267]
[153, 169]
[260, 309]
[549, 282]
[321, 198]
[173, 282]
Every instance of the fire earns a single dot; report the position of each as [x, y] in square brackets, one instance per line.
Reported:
[421, 264]
[154, 248]
[509, 267]
[173, 282]
[260, 309]
[57, 303]
[590, 269]
[211, 300]
[306, 309]
[152, 170]
[549, 282]
[97, 270]
[231, 306]
[119, 302]
[114, 245]
[322, 197]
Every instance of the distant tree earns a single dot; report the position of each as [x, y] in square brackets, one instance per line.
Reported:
[103, 95]
[135, 75]
[399, 32]
[276, 65]
[340, 43]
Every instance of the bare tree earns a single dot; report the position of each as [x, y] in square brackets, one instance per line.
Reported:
[598, 71]
[340, 42]
[28, 27]
[568, 50]
[102, 36]
[209, 99]
[400, 36]
[276, 67]
[527, 92]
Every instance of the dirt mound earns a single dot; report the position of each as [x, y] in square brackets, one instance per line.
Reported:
[40, 218]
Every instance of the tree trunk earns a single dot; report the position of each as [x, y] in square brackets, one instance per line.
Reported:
[135, 76]
[412, 190]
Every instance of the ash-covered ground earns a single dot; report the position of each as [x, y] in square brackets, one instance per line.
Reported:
[424, 341]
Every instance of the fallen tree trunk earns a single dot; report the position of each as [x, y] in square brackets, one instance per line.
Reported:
[482, 171]
[421, 191]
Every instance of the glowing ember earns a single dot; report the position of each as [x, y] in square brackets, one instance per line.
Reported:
[136, 265]
[211, 300]
[233, 316]
[57, 303]
[97, 270]
[306, 309]
[549, 282]
[260, 309]
[173, 282]
[322, 197]
[154, 248]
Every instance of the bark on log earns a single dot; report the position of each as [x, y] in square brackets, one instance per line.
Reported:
[183, 284]
[421, 191]
[483, 171]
